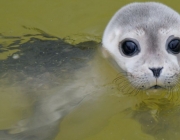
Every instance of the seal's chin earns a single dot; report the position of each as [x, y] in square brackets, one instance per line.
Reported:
[156, 87]
[155, 90]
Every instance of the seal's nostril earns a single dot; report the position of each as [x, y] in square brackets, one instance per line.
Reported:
[156, 71]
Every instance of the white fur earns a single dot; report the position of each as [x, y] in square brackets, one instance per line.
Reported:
[156, 20]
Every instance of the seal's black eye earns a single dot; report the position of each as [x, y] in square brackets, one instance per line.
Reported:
[174, 46]
[129, 48]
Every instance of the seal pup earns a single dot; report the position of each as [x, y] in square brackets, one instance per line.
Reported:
[143, 41]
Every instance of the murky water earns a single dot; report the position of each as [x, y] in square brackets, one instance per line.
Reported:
[49, 58]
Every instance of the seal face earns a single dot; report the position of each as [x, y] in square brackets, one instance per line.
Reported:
[144, 40]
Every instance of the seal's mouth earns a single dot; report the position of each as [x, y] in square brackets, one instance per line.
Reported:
[156, 87]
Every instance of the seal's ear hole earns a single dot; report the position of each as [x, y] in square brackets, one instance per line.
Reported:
[104, 52]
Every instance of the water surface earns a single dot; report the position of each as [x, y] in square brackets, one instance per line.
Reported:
[107, 114]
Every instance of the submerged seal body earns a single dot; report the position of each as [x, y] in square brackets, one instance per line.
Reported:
[144, 41]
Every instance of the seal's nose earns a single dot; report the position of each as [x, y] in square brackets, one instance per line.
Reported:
[156, 71]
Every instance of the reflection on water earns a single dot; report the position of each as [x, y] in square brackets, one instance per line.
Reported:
[159, 118]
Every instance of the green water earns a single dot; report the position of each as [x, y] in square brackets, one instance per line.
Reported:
[78, 19]
[82, 20]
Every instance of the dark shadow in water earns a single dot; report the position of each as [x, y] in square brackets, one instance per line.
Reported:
[38, 56]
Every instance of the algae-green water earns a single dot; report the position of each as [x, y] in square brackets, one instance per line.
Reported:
[112, 116]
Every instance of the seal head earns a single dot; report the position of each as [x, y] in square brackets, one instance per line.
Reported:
[144, 41]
